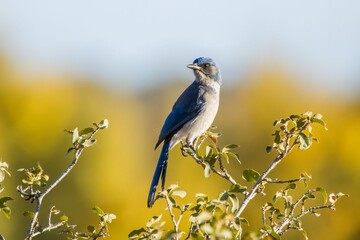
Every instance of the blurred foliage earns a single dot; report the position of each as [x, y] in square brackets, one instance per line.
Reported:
[117, 173]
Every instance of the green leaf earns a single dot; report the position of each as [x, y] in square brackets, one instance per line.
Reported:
[277, 138]
[235, 156]
[136, 233]
[277, 195]
[207, 170]
[276, 122]
[250, 175]
[300, 123]
[318, 116]
[236, 188]
[291, 186]
[268, 149]
[6, 211]
[98, 211]
[319, 121]
[305, 141]
[235, 203]
[91, 229]
[203, 217]
[86, 131]
[104, 124]
[75, 136]
[29, 214]
[3, 201]
[323, 193]
[229, 147]
[68, 151]
[64, 218]
[179, 193]
[89, 142]
[275, 236]
[208, 151]
[153, 220]
[224, 196]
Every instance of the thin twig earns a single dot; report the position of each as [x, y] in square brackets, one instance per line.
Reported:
[48, 229]
[274, 180]
[99, 234]
[256, 186]
[33, 223]
[224, 174]
[172, 215]
[40, 196]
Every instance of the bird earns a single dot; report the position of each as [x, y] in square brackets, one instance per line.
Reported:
[191, 115]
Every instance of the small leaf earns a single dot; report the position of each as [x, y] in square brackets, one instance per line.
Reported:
[236, 188]
[3, 201]
[224, 196]
[203, 217]
[6, 211]
[153, 220]
[64, 218]
[29, 214]
[250, 175]
[227, 148]
[75, 136]
[275, 235]
[291, 186]
[91, 228]
[268, 149]
[136, 233]
[98, 211]
[89, 142]
[235, 203]
[305, 141]
[86, 131]
[276, 122]
[68, 151]
[323, 193]
[235, 156]
[318, 116]
[321, 122]
[207, 170]
[104, 124]
[179, 193]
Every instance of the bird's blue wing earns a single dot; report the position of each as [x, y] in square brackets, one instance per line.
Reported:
[187, 107]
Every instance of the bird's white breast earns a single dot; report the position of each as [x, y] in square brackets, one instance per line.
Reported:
[197, 126]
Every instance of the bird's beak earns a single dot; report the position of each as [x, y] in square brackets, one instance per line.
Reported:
[194, 66]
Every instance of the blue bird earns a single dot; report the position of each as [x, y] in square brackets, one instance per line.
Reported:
[192, 114]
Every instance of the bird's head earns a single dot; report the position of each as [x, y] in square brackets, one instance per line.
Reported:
[206, 69]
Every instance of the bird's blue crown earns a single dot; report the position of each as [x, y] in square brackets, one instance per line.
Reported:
[202, 60]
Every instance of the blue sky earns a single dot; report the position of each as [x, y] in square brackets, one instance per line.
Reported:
[143, 43]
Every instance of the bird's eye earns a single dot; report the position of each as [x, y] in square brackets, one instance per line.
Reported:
[206, 65]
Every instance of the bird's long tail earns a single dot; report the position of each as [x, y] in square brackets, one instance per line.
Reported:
[160, 171]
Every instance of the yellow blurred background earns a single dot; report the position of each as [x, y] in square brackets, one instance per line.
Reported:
[115, 174]
[67, 64]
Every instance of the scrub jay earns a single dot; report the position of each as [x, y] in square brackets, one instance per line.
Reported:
[191, 115]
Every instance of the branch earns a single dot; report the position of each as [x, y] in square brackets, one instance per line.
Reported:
[262, 177]
[172, 215]
[34, 221]
[223, 173]
[274, 180]
[79, 144]
[99, 234]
